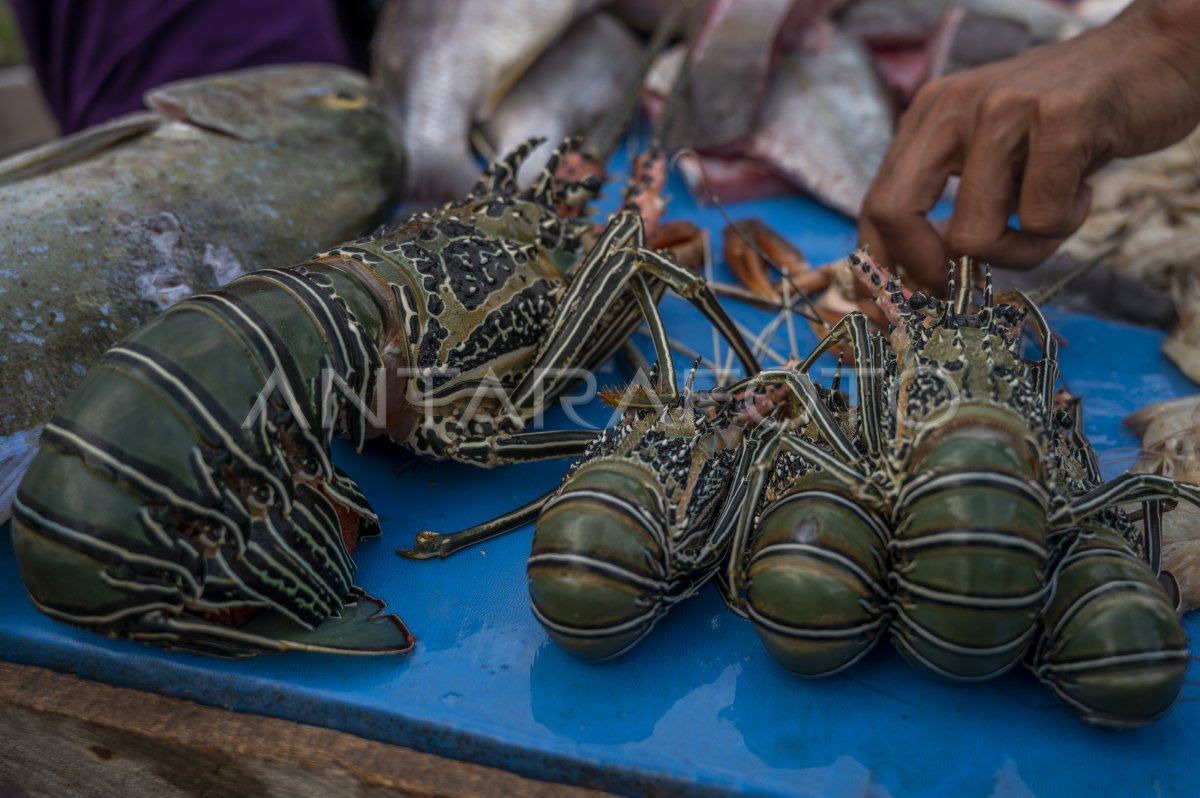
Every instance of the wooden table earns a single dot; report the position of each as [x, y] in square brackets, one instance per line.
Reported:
[66, 736]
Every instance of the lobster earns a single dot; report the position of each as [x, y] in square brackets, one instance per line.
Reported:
[184, 494]
[956, 506]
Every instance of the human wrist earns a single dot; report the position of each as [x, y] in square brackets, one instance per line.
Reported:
[1173, 29]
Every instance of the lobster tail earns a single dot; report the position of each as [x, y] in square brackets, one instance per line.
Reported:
[187, 485]
[598, 573]
[1113, 648]
[817, 594]
[969, 549]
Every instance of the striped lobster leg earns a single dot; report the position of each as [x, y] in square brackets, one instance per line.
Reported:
[617, 263]
[618, 259]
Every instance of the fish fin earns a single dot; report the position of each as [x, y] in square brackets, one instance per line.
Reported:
[217, 103]
[76, 147]
[16, 453]
[361, 627]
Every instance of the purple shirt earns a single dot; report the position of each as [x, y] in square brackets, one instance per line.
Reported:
[95, 58]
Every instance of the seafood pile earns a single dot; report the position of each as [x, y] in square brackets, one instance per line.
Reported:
[955, 507]
[806, 97]
[106, 228]
[227, 529]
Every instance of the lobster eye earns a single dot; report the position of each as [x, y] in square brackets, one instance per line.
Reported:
[262, 495]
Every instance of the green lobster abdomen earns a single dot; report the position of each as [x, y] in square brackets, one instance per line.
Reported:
[189, 476]
[1112, 647]
[597, 572]
[969, 550]
[817, 590]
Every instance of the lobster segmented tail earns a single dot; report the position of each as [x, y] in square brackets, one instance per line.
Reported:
[1112, 647]
[969, 549]
[187, 485]
[817, 592]
[598, 574]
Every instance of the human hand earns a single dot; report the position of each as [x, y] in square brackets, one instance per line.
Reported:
[1023, 134]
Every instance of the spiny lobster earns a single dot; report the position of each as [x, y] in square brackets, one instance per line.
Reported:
[956, 505]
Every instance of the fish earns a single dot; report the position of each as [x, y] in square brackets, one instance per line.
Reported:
[909, 22]
[442, 66]
[731, 63]
[1170, 434]
[104, 229]
[827, 123]
[915, 42]
[568, 91]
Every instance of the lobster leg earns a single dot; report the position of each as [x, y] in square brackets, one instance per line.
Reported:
[535, 446]
[1125, 488]
[526, 447]
[801, 389]
[855, 327]
[603, 278]
[431, 544]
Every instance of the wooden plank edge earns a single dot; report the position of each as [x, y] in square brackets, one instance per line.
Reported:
[67, 736]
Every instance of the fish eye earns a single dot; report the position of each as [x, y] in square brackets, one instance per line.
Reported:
[344, 99]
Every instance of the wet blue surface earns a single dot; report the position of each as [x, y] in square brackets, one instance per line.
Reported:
[698, 707]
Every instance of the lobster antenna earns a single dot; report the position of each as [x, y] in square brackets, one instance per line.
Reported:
[962, 296]
[1044, 293]
[601, 141]
[802, 296]
[985, 313]
[691, 377]
[951, 294]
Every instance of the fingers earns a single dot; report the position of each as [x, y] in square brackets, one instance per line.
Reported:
[1033, 168]
[1054, 199]
[925, 153]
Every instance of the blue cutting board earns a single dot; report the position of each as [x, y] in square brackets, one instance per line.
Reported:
[698, 707]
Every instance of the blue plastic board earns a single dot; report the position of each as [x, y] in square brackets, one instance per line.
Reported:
[698, 707]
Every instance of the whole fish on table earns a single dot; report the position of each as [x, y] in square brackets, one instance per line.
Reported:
[104, 229]
[442, 66]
